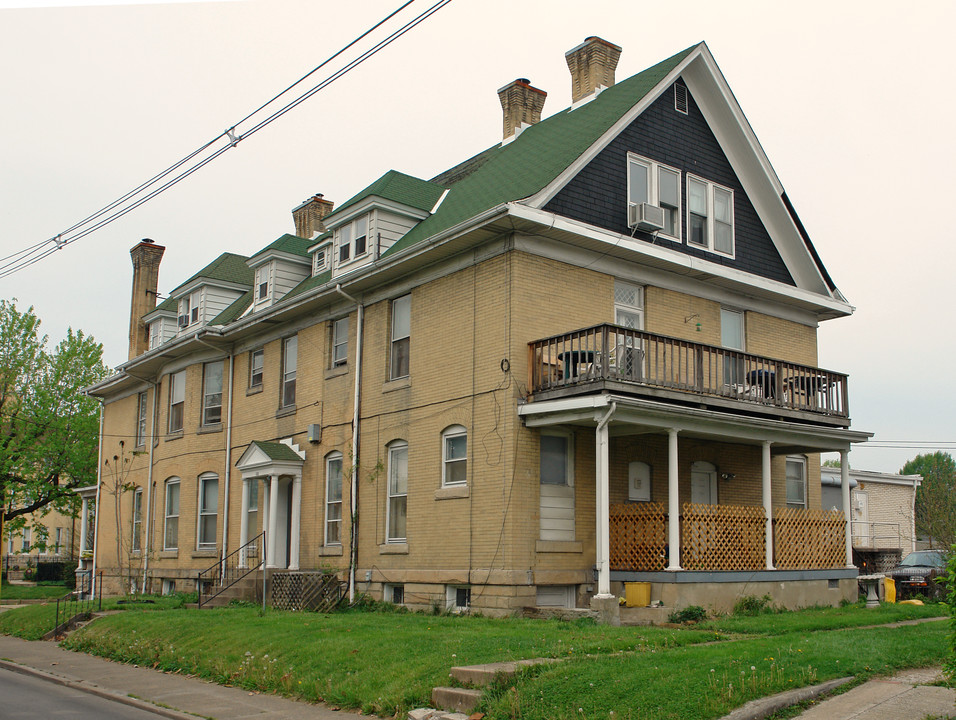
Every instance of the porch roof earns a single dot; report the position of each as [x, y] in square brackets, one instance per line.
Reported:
[636, 416]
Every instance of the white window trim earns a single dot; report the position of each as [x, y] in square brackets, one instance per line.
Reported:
[206, 395]
[353, 251]
[329, 459]
[455, 431]
[406, 300]
[393, 447]
[568, 456]
[637, 309]
[653, 189]
[167, 515]
[136, 542]
[321, 258]
[711, 219]
[263, 277]
[261, 353]
[141, 405]
[337, 342]
[451, 598]
[289, 376]
[802, 460]
[202, 512]
[177, 387]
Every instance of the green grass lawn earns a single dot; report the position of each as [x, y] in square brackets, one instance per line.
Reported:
[30, 592]
[388, 662]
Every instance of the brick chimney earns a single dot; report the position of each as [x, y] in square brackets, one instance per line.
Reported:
[309, 215]
[592, 65]
[146, 258]
[521, 104]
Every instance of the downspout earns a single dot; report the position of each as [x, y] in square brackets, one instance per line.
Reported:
[96, 516]
[353, 490]
[225, 501]
[149, 486]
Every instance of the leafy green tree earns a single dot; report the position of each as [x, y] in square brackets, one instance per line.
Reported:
[936, 497]
[48, 429]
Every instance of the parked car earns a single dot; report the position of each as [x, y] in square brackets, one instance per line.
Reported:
[921, 573]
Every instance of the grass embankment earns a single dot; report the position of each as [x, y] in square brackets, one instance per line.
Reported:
[32, 622]
[32, 592]
[387, 662]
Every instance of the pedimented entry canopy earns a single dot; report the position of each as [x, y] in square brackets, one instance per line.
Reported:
[263, 459]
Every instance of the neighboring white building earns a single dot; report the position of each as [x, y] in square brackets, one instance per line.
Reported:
[883, 507]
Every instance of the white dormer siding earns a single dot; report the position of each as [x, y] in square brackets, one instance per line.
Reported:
[161, 330]
[391, 227]
[275, 278]
[200, 305]
[321, 258]
[383, 228]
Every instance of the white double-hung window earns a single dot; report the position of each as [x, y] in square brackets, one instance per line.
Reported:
[650, 182]
[397, 492]
[353, 239]
[710, 216]
[333, 498]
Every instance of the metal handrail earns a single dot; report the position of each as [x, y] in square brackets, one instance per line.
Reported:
[232, 568]
[76, 602]
[872, 536]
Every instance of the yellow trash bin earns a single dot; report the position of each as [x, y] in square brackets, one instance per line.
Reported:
[637, 594]
[889, 590]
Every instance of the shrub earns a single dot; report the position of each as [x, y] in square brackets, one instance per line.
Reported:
[949, 582]
[691, 613]
[751, 605]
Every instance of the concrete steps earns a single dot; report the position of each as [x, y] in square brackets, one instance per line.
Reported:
[244, 589]
[465, 699]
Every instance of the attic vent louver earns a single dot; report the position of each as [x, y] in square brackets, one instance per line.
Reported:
[680, 98]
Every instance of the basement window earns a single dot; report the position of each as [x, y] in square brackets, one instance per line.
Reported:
[457, 598]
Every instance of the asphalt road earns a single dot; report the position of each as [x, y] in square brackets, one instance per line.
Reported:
[22, 696]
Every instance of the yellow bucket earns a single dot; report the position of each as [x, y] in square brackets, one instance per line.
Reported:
[889, 590]
[637, 594]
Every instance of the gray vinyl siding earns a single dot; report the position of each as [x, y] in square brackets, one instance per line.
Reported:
[215, 300]
[285, 276]
[391, 227]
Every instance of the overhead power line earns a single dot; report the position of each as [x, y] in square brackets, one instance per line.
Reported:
[198, 158]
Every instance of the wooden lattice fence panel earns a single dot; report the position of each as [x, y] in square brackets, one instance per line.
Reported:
[317, 591]
[808, 539]
[638, 534]
[723, 537]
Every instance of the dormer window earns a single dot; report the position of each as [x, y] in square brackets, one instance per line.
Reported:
[262, 283]
[353, 239]
[189, 309]
[319, 261]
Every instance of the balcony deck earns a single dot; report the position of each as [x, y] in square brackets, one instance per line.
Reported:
[609, 357]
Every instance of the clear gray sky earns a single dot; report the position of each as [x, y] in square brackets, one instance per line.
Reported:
[852, 101]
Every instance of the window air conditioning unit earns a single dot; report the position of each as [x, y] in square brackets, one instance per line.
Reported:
[183, 321]
[645, 216]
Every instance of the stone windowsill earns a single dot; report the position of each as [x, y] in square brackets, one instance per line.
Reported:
[214, 428]
[337, 371]
[399, 384]
[286, 411]
[205, 554]
[452, 492]
[393, 549]
[330, 551]
[168, 554]
[254, 390]
[178, 435]
[558, 546]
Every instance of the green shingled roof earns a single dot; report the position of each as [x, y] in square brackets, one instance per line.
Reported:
[521, 168]
[228, 267]
[277, 451]
[309, 283]
[401, 188]
[291, 244]
[233, 311]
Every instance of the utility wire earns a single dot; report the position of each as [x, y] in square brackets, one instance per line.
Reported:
[129, 201]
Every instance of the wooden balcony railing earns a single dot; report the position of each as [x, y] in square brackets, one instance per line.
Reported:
[612, 353]
[726, 537]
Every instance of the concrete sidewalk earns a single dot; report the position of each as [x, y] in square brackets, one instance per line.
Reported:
[170, 695]
[908, 695]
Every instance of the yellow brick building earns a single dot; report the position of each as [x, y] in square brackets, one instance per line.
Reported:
[584, 357]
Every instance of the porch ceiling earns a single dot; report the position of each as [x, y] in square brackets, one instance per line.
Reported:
[634, 416]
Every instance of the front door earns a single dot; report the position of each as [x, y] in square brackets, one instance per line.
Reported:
[703, 484]
[861, 520]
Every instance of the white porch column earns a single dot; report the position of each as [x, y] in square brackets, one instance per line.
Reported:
[602, 509]
[296, 517]
[673, 502]
[845, 492]
[767, 502]
[267, 538]
[273, 520]
[244, 521]
[84, 529]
